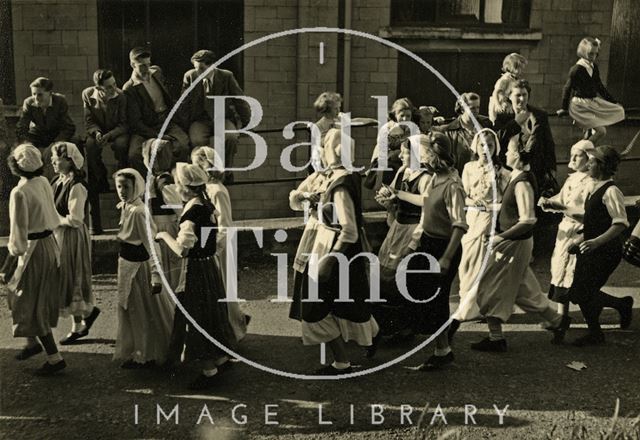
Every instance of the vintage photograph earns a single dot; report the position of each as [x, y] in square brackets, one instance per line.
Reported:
[319, 219]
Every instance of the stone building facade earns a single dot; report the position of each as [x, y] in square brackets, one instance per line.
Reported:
[464, 39]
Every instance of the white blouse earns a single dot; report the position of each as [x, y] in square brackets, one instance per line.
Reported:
[613, 199]
[31, 210]
[75, 205]
[477, 181]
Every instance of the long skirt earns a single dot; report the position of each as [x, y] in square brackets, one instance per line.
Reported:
[171, 262]
[595, 112]
[432, 289]
[75, 270]
[593, 271]
[508, 281]
[35, 302]
[563, 264]
[328, 319]
[144, 326]
[394, 248]
[203, 290]
[473, 257]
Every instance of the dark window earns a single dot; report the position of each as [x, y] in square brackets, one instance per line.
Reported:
[624, 58]
[173, 30]
[467, 72]
[7, 78]
[478, 13]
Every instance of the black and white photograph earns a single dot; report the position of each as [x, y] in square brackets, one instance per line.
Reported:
[320, 219]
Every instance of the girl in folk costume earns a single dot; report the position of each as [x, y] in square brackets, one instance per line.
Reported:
[500, 108]
[484, 182]
[329, 320]
[70, 196]
[396, 132]
[145, 313]
[438, 233]
[508, 279]
[201, 279]
[600, 250]
[585, 98]
[406, 215]
[207, 159]
[34, 297]
[162, 192]
[569, 201]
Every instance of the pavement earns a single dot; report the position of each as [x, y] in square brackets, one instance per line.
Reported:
[94, 398]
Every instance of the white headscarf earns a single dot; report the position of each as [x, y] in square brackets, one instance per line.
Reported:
[478, 143]
[190, 175]
[582, 146]
[69, 151]
[207, 158]
[138, 187]
[27, 157]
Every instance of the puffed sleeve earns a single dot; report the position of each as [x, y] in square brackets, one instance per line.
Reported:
[77, 200]
[186, 236]
[222, 202]
[454, 202]
[423, 184]
[346, 216]
[19, 219]
[613, 199]
[525, 200]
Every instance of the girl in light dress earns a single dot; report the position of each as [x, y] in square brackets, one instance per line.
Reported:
[70, 195]
[478, 179]
[34, 295]
[201, 280]
[585, 98]
[406, 215]
[569, 201]
[330, 321]
[508, 279]
[145, 312]
[599, 251]
[500, 108]
[207, 159]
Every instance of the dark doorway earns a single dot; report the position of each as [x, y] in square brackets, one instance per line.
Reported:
[173, 30]
[624, 57]
[467, 72]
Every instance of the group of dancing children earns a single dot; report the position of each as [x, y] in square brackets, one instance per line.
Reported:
[477, 226]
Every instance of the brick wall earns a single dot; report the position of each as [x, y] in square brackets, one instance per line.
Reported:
[58, 40]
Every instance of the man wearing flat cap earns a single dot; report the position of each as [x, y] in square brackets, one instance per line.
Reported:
[198, 108]
[148, 105]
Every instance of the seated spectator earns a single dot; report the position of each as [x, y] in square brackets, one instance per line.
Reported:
[105, 116]
[199, 109]
[44, 119]
[148, 105]
[462, 129]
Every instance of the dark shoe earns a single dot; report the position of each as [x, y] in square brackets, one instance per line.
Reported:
[560, 331]
[330, 370]
[72, 337]
[132, 365]
[371, 350]
[626, 313]
[437, 362]
[49, 369]
[203, 382]
[453, 328]
[89, 320]
[28, 352]
[589, 339]
[499, 346]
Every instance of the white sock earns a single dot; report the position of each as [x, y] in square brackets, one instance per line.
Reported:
[54, 358]
[340, 365]
[442, 351]
[77, 327]
[210, 373]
